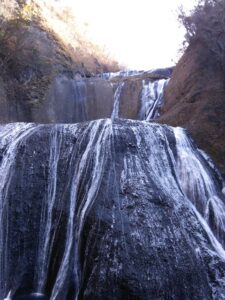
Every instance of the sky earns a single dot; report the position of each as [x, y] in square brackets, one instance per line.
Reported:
[141, 34]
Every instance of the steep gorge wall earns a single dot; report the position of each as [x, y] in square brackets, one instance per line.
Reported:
[195, 99]
[33, 54]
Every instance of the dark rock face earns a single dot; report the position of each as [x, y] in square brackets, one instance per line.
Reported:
[130, 99]
[3, 102]
[195, 99]
[71, 100]
[100, 210]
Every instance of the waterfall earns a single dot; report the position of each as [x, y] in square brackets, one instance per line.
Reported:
[45, 236]
[198, 182]
[108, 205]
[72, 99]
[116, 101]
[8, 297]
[96, 149]
[214, 241]
[152, 98]
[164, 72]
[10, 137]
[125, 73]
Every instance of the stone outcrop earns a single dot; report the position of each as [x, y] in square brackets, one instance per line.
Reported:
[195, 99]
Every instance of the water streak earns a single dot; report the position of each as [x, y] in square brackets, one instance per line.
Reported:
[152, 98]
[10, 137]
[116, 101]
[46, 238]
[94, 151]
[199, 184]
[8, 297]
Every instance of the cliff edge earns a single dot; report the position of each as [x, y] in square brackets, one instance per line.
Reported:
[195, 99]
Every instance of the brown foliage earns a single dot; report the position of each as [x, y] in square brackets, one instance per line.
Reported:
[13, 30]
[206, 23]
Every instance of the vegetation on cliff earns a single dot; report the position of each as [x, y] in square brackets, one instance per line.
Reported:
[38, 41]
[206, 24]
[195, 96]
[18, 18]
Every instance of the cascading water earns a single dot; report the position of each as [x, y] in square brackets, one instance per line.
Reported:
[152, 98]
[114, 207]
[10, 137]
[116, 101]
[200, 183]
[166, 72]
[125, 73]
[95, 151]
[45, 236]
[72, 99]
[143, 102]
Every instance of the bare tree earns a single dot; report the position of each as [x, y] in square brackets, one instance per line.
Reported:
[206, 23]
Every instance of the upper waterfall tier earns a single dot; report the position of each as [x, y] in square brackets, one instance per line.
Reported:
[70, 98]
[157, 73]
[108, 210]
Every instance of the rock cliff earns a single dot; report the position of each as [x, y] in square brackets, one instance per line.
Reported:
[195, 99]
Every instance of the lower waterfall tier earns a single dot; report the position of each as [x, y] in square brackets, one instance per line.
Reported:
[108, 210]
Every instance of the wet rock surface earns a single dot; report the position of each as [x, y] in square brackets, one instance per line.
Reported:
[102, 216]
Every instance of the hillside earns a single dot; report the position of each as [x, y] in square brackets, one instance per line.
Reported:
[38, 41]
